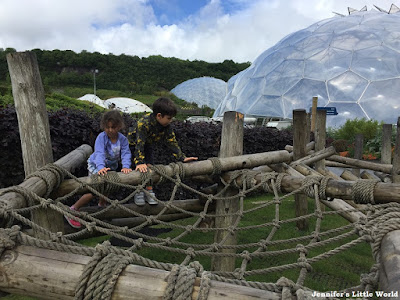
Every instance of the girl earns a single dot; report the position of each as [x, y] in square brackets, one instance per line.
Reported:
[110, 147]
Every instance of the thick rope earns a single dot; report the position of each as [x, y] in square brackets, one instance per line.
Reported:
[102, 271]
[363, 191]
[180, 283]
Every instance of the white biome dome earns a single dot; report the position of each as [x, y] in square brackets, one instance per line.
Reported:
[208, 91]
[349, 62]
[127, 105]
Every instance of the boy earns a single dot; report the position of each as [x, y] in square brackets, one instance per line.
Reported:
[152, 128]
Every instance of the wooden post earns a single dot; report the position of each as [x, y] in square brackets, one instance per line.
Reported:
[320, 137]
[231, 145]
[33, 124]
[386, 152]
[299, 151]
[320, 141]
[396, 156]
[314, 113]
[358, 151]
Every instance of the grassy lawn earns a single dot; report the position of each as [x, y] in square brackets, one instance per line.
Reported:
[335, 273]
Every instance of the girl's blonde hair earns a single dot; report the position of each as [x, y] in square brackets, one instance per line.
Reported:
[114, 117]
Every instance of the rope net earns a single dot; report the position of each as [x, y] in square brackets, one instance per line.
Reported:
[271, 254]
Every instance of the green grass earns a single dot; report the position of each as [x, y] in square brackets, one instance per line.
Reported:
[325, 275]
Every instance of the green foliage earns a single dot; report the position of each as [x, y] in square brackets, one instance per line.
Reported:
[368, 128]
[125, 73]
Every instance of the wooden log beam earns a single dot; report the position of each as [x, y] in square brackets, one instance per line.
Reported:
[309, 147]
[385, 168]
[49, 274]
[335, 164]
[37, 185]
[383, 177]
[383, 192]
[204, 167]
[314, 157]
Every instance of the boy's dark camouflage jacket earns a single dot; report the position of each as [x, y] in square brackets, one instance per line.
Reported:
[148, 131]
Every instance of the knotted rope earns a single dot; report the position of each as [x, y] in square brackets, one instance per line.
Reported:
[100, 275]
[180, 283]
[52, 183]
[363, 191]
[106, 184]
[217, 166]
[8, 238]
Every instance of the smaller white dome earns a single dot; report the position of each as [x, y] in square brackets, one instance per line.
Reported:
[93, 98]
[127, 105]
[208, 91]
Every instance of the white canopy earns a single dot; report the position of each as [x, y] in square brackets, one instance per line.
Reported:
[127, 105]
[93, 98]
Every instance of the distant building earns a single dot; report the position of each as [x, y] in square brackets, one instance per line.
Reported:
[202, 91]
[349, 62]
[127, 105]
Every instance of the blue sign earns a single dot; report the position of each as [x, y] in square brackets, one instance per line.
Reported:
[330, 111]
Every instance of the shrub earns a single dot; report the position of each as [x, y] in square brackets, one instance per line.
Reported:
[368, 128]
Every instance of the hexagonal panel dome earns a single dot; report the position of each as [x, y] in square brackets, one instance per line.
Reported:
[349, 62]
[208, 91]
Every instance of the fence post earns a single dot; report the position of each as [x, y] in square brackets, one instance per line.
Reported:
[299, 151]
[33, 123]
[320, 137]
[314, 113]
[396, 156]
[231, 145]
[386, 152]
[358, 151]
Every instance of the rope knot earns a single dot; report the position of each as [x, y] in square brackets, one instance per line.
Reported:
[56, 237]
[181, 281]
[301, 249]
[303, 262]
[168, 241]
[245, 255]
[276, 223]
[189, 228]
[197, 266]
[91, 226]
[190, 251]
[45, 203]
[316, 237]
[8, 238]
[150, 219]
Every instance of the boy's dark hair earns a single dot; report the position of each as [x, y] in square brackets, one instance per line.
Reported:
[113, 116]
[164, 106]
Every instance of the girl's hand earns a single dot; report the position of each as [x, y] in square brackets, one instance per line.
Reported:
[126, 170]
[141, 168]
[103, 171]
[188, 159]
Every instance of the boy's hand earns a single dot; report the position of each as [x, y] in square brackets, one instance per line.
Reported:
[126, 170]
[141, 168]
[103, 171]
[188, 159]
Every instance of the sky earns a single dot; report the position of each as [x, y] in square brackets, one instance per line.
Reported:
[209, 30]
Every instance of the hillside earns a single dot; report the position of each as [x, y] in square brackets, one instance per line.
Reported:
[124, 73]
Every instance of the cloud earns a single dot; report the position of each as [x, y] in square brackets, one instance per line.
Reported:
[232, 29]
